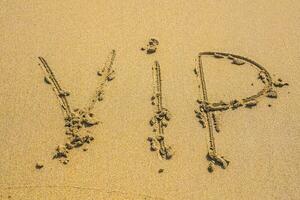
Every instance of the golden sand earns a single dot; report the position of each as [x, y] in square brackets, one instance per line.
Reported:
[81, 130]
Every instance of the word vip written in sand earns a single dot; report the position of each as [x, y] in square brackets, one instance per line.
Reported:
[208, 112]
[78, 121]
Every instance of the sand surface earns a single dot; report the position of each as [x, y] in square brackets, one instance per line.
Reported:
[76, 37]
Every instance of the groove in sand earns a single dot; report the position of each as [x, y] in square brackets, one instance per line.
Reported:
[161, 117]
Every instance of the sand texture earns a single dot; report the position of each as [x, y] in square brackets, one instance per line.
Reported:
[149, 100]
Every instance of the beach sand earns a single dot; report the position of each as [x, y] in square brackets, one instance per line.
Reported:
[76, 37]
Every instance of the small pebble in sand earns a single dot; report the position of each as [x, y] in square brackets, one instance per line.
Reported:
[64, 93]
[251, 104]
[153, 147]
[159, 137]
[99, 73]
[160, 170]
[69, 146]
[235, 104]
[151, 50]
[66, 161]
[100, 97]
[210, 168]
[47, 80]
[237, 61]
[216, 55]
[61, 152]
[167, 153]
[280, 84]
[150, 139]
[272, 94]
[195, 71]
[39, 166]
[111, 76]
[164, 124]
[152, 122]
[85, 149]
[153, 144]
[269, 105]
[153, 42]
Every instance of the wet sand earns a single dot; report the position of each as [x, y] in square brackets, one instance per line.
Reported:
[75, 38]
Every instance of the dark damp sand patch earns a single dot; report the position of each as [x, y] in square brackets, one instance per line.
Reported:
[207, 111]
[151, 47]
[77, 121]
[160, 119]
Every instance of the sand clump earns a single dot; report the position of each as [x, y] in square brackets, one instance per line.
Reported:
[272, 94]
[216, 55]
[235, 104]
[151, 47]
[237, 61]
[280, 83]
[77, 134]
[251, 103]
[39, 165]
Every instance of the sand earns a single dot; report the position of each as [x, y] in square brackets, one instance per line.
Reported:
[258, 137]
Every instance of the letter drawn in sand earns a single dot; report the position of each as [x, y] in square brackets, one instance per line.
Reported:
[105, 74]
[160, 119]
[207, 111]
[77, 121]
